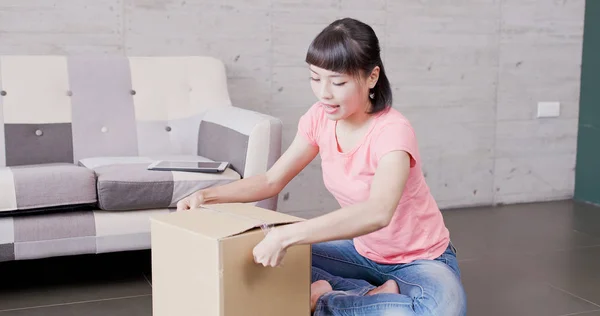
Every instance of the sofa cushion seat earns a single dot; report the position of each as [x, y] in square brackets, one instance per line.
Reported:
[34, 187]
[125, 183]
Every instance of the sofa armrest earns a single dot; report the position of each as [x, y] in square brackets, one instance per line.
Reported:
[249, 140]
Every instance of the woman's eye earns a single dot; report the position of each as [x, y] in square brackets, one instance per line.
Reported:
[339, 84]
[315, 79]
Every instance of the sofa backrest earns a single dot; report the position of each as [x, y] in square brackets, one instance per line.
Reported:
[66, 108]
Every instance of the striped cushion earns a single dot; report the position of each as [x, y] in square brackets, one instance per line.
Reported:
[57, 234]
[124, 183]
[44, 186]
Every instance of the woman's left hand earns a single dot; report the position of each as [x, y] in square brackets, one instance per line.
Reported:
[270, 251]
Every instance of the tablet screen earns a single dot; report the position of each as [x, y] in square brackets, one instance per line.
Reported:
[189, 164]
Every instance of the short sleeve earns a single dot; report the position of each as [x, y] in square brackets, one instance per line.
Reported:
[393, 137]
[308, 126]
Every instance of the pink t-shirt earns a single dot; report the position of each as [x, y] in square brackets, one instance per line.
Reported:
[417, 229]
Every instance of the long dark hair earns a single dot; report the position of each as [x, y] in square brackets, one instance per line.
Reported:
[351, 46]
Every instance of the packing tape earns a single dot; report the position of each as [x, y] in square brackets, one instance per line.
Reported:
[266, 228]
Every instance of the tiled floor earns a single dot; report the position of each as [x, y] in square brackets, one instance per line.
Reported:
[531, 259]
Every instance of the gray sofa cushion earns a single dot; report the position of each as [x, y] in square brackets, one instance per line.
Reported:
[126, 184]
[44, 186]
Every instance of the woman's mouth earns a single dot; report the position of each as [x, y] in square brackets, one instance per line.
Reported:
[330, 108]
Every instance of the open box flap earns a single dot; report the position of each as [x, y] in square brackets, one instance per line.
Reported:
[224, 220]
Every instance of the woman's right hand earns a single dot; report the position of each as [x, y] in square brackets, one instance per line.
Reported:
[260, 186]
[192, 201]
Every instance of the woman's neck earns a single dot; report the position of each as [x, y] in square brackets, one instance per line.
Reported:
[358, 119]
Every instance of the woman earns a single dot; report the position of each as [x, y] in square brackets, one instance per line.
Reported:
[386, 251]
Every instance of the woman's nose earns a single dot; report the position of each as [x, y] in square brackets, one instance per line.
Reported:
[325, 92]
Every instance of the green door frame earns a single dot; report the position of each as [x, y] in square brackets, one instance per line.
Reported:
[587, 170]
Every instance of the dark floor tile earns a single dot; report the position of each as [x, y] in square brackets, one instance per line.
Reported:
[574, 271]
[136, 306]
[587, 218]
[72, 279]
[470, 231]
[518, 229]
[502, 287]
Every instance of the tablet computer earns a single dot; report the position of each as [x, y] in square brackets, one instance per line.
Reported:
[191, 166]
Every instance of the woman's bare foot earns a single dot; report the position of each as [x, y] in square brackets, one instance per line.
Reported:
[317, 289]
[390, 286]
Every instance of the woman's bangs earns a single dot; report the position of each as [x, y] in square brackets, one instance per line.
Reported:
[330, 52]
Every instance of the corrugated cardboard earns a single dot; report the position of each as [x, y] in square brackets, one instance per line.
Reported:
[202, 265]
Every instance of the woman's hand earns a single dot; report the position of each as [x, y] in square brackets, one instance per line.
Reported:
[270, 251]
[192, 201]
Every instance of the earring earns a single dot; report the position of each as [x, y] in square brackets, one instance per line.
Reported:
[372, 95]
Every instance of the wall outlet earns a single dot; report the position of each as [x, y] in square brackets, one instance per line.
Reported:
[548, 109]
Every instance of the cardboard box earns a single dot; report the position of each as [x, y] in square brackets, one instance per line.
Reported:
[202, 265]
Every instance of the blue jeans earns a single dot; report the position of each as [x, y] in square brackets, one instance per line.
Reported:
[427, 287]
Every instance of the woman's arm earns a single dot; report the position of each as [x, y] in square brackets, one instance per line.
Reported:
[259, 187]
[359, 219]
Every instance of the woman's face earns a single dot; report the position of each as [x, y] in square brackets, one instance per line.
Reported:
[341, 95]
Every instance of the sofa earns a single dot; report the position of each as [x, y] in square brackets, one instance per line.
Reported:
[80, 131]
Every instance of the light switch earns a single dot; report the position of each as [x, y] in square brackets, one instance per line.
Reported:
[548, 109]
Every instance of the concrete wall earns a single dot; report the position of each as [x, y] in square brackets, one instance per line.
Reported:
[468, 73]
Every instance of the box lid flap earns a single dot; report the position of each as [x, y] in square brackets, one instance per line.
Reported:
[224, 220]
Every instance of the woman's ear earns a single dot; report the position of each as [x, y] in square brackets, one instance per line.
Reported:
[373, 77]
